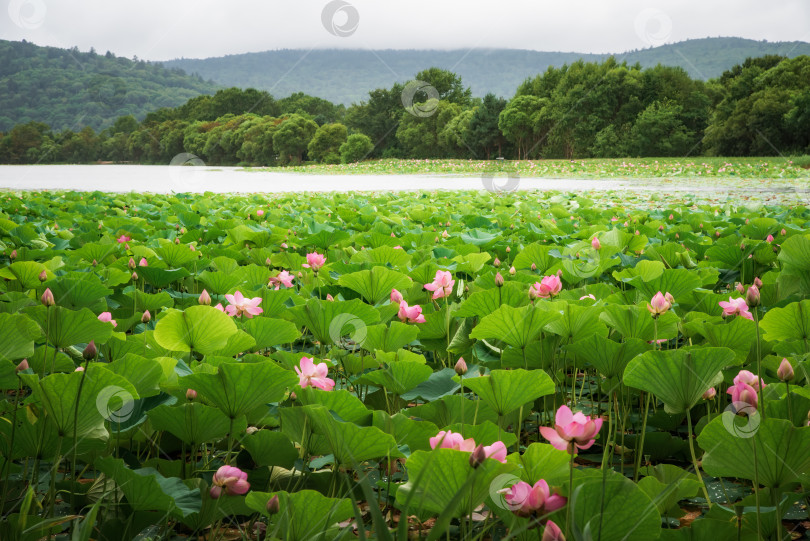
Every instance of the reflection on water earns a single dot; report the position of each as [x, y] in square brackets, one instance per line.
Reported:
[167, 179]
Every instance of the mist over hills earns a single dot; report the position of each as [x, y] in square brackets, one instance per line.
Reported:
[347, 75]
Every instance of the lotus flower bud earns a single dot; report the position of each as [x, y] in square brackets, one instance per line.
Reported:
[273, 505]
[131, 264]
[498, 279]
[534, 267]
[461, 366]
[205, 298]
[23, 365]
[251, 430]
[671, 216]
[445, 234]
[478, 456]
[595, 243]
[512, 271]
[47, 297]
[134, 276]
[740, 288]
[752, 296]
[508, 249]
[79, 369]
[43, 276]
[783, 232]
[143, 262]
[785, 371]
[717, 234]
[146, 317]
[329, 297]
[710, 393]
[90, 351]
[191, 394]
[552, 532]
[757, 282]
[13, 255]
[497, 262]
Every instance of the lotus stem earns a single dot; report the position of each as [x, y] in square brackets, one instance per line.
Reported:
[694, 458]
[761, 403]
[756, 487]
[568, 505]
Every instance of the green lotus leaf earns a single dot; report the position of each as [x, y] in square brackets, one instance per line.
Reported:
[176, 255]
[268, 448]
[398, 377]
[103, 395]
[270, 332]
[782, 450]
[329, 320]
[442, 481]
[608, 356]
[194, 423]
[389, 337]
[384, 255]
[636, 322]
[78, 290]
[17, 335]
[343, 403]
[144, 374]
[303, 515]
[376, 283]
[506, 390]
[238, 388]
[543, 461]
[148, 490]
[26, 273]
[678, 377]
[219, 282]
[537, 254]
[349, 443]
[577, 322]
[483, 303]
[406, 431]
[161, 278]
[516, 326]
[200, 328]
[66, 327]
[789, 323]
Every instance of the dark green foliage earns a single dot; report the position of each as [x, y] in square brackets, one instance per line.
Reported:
[356, 148]
[68, 89]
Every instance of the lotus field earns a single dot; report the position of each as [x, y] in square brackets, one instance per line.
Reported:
[449, 365]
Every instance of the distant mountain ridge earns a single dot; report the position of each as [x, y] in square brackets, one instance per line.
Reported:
[70, 89]
[347, 75]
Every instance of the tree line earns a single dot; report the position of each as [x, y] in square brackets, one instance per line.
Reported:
[581, 110]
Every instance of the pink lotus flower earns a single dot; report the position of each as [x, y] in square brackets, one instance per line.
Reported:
[749, 378]
[496, 451]
[313, 374]
[595, 244]
[283, 278]
[205, 298]
[79, 369]
[452, 440]
[572, 430]
[552, 532]
[233, 480]
[123, 238]
[526, 500]
[442, 285]
[742, 393]
[107, 317]
[769, 239]
[736, 307]
[240, 305]
[23, 365]
[221, 308]
[143, 262]
[785, 371]
[660, 304]
[314, 261]
[396, 297]
[260, 212]
[546, 288]
[410, 314]
[588, 296]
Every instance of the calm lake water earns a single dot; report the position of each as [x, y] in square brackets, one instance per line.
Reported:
[167, 179]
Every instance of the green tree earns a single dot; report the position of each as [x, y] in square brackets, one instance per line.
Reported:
[325, 144]
[659, 131]
[483, 135]
[292, 138]
[357, 147]
[447, 84]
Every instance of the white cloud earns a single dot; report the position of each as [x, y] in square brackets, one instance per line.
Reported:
[166, 29]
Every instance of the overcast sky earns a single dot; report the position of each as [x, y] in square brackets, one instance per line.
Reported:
[166, 29]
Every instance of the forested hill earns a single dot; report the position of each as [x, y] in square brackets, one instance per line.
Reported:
[69, 89]
[346, 76]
